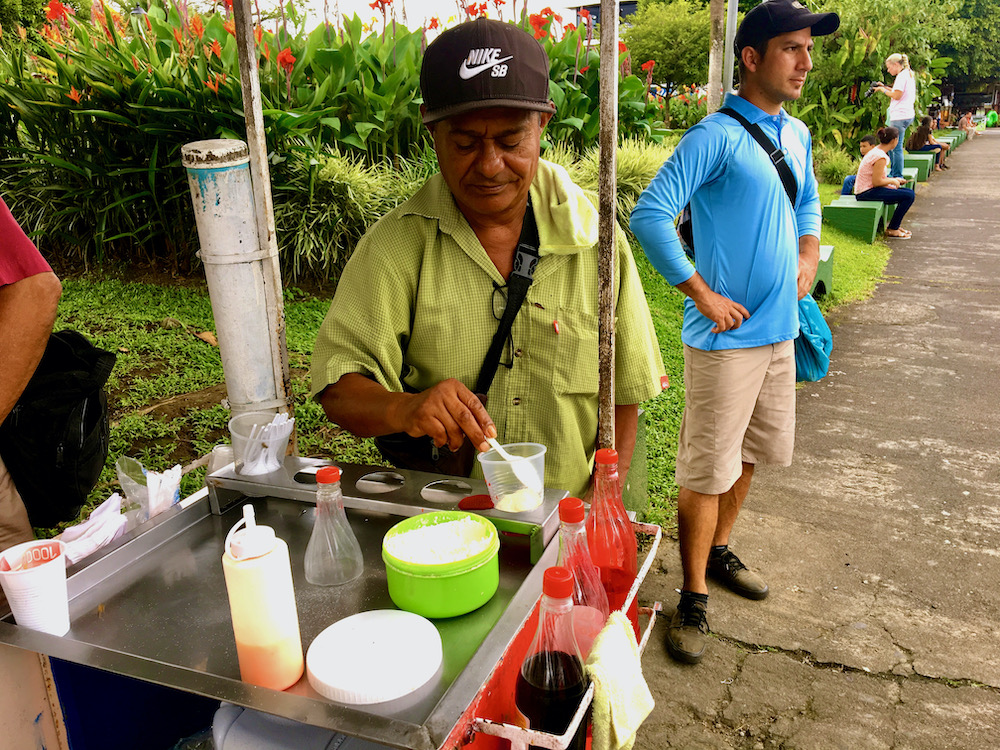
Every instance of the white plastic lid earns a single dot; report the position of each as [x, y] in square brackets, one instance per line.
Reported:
[373, 657]
[252, 541]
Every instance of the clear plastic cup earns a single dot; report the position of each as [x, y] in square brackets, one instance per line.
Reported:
[515, 490]
[33, 577]
[240, 427]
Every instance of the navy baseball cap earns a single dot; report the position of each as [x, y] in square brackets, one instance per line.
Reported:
[484, 63]
[774, 17]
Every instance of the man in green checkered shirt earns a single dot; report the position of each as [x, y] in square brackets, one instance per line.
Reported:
[420, 299]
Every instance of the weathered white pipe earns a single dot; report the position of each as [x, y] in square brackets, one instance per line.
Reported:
[236, 270]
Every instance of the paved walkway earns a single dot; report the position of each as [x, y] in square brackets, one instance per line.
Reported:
[881, 544]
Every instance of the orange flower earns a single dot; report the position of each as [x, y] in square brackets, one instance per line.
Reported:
[585, 68]
[434, 23]
[570, 27]
[229, 4]
[647, 66]
[23, 33]
[197, 27]
[214, 83]
[286, 60]
[74, 94]
[56, 11]
[584, 14]
[267, 52]
[258, 33]
[216, 49]
[149, 26]
[622, 48]
[230, 26]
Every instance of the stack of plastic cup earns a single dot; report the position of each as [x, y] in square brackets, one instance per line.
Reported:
[33, 576]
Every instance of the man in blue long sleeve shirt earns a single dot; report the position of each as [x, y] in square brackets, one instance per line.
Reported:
[756, 255]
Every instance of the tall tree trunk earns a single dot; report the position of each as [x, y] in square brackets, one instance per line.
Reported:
[716, 12]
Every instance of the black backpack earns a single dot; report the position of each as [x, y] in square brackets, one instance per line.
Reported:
[55, 440]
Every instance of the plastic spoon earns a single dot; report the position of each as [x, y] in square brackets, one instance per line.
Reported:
[522, 469]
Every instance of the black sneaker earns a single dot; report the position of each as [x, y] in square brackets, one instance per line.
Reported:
[687, 636]
[727, 569]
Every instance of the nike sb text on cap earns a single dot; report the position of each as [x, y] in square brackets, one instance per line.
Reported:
[774, 17]
[484, 63]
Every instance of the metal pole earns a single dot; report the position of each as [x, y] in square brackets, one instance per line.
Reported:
[608, 201]
[263, 204]
[732, 12]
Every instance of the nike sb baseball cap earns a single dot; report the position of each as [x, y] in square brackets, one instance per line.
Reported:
[484, 63]
[774, 17]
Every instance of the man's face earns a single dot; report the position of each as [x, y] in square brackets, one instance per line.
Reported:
[488, 158]
[781, 73]
[865, 147]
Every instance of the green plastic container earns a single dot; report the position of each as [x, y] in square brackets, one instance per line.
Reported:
[446, 589]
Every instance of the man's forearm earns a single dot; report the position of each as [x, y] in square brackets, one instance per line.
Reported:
[360, 405]
[27, 312]
[808, 262]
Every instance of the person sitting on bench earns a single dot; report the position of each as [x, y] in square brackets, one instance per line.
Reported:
[923, 140]
[872, 184]
[868, 142]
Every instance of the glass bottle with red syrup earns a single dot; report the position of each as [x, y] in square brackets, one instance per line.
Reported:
[610, 536]
[552, 680]
[590, 602]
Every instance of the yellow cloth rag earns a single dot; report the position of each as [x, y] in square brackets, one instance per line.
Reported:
[622, 700]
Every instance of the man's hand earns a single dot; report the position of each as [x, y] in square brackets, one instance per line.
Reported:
[808, 263]
[448, 412]
[724, 312]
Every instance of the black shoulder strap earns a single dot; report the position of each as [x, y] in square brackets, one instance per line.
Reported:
[777, 157]
[525, 261]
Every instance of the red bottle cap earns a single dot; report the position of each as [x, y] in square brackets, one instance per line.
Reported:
[571, 510]
[558, 583]
[328, 475]
[606, 456]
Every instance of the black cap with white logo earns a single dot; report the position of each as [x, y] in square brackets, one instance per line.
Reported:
[484, 63]
[774, 17]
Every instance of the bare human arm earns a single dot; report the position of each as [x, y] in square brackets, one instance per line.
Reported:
[724, 312]
[808, 262]
[27, 312]
[879, 178]
[626, 423]
[448, 412]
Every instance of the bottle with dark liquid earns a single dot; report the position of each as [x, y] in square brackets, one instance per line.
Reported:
[610, 536]
[552, 680]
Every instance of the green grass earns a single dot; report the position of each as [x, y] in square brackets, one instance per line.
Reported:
[152, 328]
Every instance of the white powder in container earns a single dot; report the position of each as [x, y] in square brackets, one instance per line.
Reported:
[441, 543]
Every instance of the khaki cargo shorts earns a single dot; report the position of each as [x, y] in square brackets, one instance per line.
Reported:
[739, 407]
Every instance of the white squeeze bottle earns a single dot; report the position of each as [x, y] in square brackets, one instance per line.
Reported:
[262, 601]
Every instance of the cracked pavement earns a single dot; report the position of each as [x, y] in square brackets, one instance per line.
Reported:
[881, 543]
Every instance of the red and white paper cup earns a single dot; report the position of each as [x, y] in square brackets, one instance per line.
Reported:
[33, 576]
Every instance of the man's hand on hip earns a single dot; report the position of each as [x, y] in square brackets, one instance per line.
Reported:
[724, 312]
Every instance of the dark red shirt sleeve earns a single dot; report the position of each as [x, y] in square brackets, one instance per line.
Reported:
[19, 258]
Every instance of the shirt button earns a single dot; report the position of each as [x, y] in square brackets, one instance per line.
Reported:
[516, 402]
[518, 352]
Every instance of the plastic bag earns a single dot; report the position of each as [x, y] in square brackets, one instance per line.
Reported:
[814, 342]
[147, 493]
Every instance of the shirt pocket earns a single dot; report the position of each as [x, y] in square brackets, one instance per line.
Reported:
[575, 369]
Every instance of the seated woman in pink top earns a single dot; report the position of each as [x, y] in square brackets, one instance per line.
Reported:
[872, 184]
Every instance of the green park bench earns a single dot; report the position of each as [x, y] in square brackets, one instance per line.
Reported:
[859, 219]
[922, 160]
[910, 175]
[823, 283]
[948, 140]
[954, 133]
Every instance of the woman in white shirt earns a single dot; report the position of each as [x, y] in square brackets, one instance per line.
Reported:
[901, 112]
[872, 183]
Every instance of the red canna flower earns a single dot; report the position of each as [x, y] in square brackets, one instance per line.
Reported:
[570, 27]
[433, 23]
[622, 48]
[286, 60]
[584, 14]
[74, 94]
[197, 27]
[585, 68]
[229, 4]
[647, 66]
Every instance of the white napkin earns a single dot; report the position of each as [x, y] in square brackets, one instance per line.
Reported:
[105, 524]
